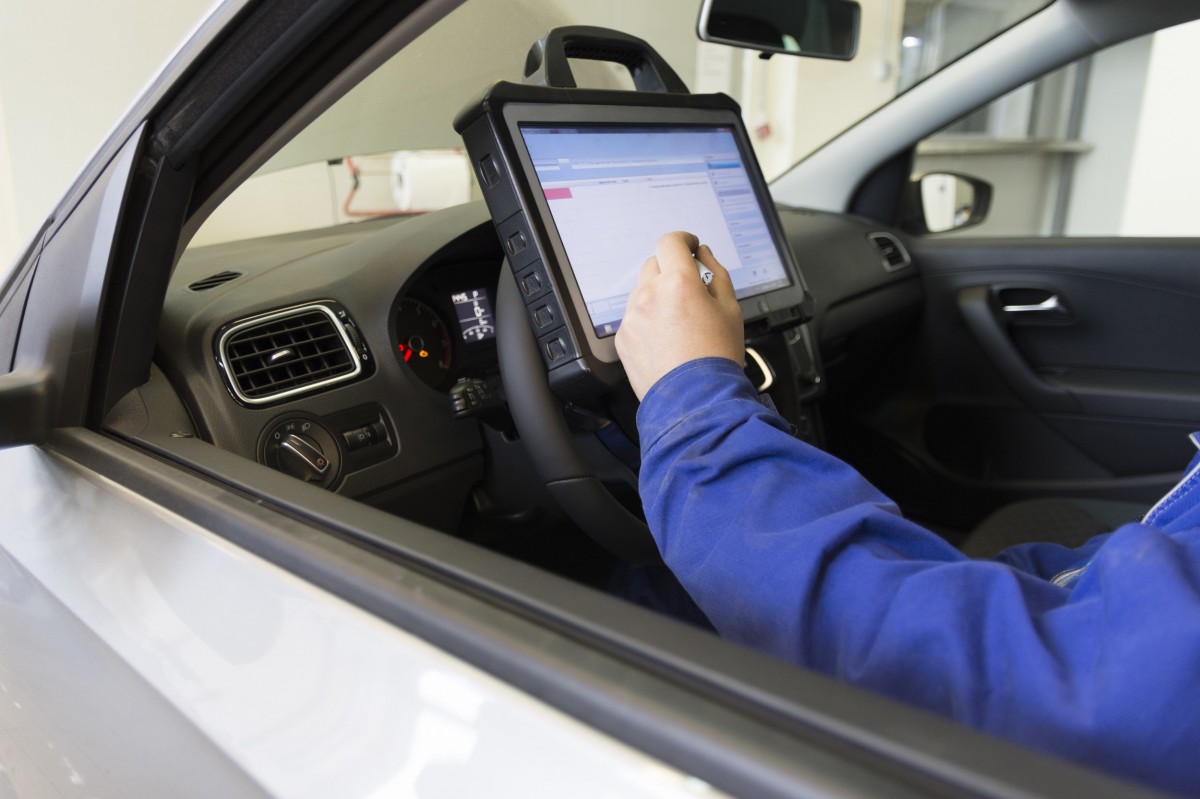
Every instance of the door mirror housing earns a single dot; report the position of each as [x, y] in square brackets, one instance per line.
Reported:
[938, 202]
[812, 28]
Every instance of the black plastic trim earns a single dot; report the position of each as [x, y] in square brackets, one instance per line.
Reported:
[137, 281]
[881, 193]
[287, 25]
[24, 408]
[61, 325]
[14, 295]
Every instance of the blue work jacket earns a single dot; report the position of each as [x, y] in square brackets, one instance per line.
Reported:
[1090, 653]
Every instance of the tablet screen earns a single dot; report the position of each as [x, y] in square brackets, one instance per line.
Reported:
[613, 190]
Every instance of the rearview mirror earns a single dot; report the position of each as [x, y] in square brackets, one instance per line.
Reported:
[813, 28]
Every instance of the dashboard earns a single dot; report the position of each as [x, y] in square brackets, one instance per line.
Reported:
[412, 300]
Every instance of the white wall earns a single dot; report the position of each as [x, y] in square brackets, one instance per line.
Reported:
[1111, 120]
[1143, 176]
[793, 105]
[1163, 196]
[10, 231]
[68, 70]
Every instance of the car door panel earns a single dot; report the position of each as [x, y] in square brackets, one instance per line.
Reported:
[79, 713]
[157, 658]
[1069, 363]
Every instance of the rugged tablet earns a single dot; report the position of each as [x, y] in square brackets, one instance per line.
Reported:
[580, 185]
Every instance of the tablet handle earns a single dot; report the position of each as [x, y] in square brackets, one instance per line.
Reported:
[546, 64]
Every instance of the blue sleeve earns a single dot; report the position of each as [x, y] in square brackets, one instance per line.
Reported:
[790, 551]
[1046, 560]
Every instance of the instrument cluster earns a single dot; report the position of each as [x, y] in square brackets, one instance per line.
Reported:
[443, 325]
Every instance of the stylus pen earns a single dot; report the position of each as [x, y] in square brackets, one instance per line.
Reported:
[706, 274]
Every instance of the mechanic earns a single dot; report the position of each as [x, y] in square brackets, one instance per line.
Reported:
[1088, 653]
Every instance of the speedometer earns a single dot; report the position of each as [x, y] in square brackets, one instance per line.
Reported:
[423, 342]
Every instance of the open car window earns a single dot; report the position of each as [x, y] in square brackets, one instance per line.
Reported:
[1097, 148]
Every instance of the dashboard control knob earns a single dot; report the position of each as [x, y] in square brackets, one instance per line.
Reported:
[303, 448]
[302, 457]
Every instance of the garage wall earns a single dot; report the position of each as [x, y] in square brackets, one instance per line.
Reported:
[68, 71]
[1163, 197]
[1111, 118]
[10, 231]
[793, 105]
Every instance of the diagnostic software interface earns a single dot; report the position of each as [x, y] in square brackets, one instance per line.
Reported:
[612, 191]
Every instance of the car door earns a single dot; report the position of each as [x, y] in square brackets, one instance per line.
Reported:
[1054, 357]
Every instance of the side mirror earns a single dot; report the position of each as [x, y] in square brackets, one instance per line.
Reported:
[813, 28]
[938, 202]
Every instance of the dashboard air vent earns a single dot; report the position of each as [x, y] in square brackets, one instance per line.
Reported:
[893, 252]
[269, 357]
[212, 281]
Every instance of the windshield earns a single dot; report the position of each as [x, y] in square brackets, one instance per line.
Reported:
[388, 148]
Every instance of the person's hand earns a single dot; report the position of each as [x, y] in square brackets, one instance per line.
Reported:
[673, 318]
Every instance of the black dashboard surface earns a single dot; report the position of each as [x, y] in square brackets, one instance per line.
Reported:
[393, 276]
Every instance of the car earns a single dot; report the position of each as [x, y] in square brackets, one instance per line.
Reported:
[365, 577]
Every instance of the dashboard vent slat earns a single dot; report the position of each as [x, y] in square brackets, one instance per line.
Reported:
[212, 281]
[891, 250]
[280, 354]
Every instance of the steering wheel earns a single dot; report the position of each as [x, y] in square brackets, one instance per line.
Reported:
[538, 416]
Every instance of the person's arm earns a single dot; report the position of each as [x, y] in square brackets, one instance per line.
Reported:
[1046, 560]
[789, 550]
[776, 540]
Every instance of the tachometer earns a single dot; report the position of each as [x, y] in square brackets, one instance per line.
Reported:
[423, 342]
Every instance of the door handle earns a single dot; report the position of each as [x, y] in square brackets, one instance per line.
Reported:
[1051, 306]
[982, 315]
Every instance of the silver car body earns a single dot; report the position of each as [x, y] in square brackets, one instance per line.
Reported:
[145, 656]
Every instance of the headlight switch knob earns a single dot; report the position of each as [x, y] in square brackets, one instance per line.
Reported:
[302, 448]
[302, 457]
